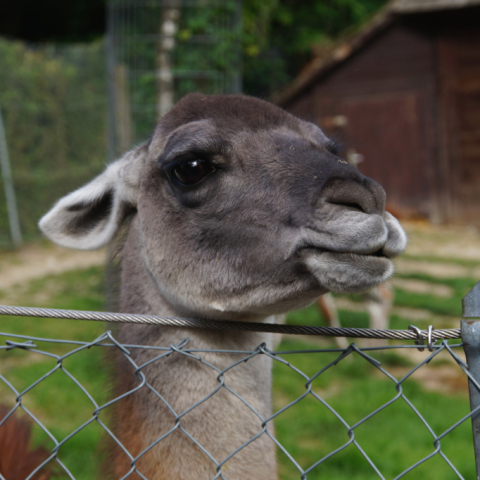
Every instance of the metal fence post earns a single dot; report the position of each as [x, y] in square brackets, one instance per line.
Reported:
[471, 340]
[9, 190]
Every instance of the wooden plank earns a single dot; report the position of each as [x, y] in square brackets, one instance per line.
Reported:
[460, 91]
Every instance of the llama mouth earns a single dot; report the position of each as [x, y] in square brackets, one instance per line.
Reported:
[376, 261]
[380, 254]
[344, 272]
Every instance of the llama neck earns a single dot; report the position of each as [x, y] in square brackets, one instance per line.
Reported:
[221, 424]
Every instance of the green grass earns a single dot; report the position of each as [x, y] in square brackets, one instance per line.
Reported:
[437, 305]
[461, 286]
[349, 319]
[394, 438]
[451, 306]
[79, 290]
[57, 401]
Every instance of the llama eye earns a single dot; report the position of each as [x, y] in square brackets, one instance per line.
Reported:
[192, 171]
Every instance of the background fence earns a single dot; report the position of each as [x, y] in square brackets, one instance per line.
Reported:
[426, 427]
[160, 50]
[54, 102]
[68, 109]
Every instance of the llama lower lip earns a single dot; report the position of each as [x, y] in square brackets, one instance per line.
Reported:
[347, 272]
[359, 257]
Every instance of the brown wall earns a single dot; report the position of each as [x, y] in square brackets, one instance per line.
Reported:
[459, 79]
[303, 106]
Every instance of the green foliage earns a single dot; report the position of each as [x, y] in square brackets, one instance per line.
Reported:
[53, 102]
[279, 36]
[54, 99]
[200, 53]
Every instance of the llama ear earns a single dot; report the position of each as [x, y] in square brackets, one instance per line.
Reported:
[89, 217]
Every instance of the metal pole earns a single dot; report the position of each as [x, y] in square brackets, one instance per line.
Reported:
[470, 330]
[237, 76]
[9, 190]
[110, 40]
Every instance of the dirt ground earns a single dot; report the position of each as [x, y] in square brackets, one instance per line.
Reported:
[462, 243]
[38, 260]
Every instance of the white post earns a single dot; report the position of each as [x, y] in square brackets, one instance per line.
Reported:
[165, 47]
[9, 190]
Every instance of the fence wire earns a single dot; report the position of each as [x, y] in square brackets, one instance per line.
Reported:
[431, 335]
[62, 351]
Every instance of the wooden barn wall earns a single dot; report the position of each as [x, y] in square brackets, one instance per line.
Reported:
[459, 68]
[379, 105]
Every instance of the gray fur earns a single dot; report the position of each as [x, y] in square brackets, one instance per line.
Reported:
[280, 221]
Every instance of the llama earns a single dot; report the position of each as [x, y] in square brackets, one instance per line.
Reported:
[239, 211]
[17, 457]
[378, 303]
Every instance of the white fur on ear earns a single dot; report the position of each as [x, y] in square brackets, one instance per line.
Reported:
[89, 217]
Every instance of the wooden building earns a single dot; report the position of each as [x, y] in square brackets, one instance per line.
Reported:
[403, 95]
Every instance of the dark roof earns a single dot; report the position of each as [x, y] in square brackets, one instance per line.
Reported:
[411, 6]
[339, 51]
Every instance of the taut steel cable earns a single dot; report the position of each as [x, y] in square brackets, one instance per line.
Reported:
[441, 334]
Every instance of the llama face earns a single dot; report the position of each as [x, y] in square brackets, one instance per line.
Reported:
[242, 210]
[269, 216]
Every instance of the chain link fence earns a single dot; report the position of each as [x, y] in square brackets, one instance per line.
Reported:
[342, 437]
[160, 50]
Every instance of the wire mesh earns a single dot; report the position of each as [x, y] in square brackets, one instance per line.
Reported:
[160, 50]
[348, 433]
[53, 100]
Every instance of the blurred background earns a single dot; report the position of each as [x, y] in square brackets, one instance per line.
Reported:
[395, 83]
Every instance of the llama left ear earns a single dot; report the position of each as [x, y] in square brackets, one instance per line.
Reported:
[89, 217]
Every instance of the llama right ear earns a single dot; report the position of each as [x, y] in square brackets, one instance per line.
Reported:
[89, 217]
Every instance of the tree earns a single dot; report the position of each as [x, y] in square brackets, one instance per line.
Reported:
[280, 36]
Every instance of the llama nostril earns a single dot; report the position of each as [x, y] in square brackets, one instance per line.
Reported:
[366, 196]
[350, 206]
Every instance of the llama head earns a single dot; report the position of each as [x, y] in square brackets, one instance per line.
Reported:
[241, 209]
